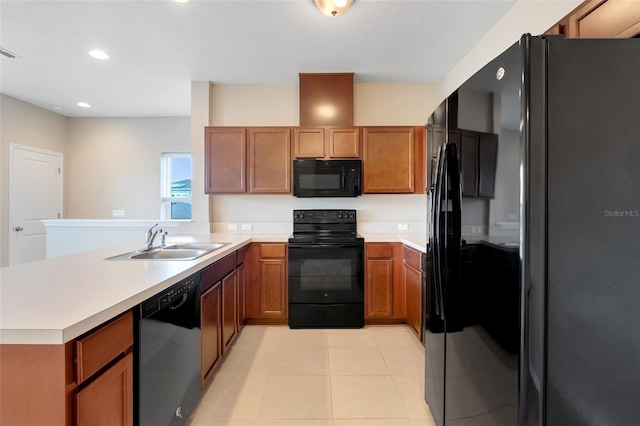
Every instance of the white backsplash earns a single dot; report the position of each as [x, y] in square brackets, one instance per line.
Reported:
[255, 209]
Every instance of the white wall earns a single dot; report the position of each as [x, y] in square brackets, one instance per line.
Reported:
[114, 163]
[24, 124]
[277, 105]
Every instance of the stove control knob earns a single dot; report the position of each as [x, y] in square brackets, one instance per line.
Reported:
[339, 215]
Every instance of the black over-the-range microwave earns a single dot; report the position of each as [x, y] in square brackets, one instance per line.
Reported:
[326, 178]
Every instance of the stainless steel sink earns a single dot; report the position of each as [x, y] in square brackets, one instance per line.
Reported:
[178, 251]
[162, 254]
[196, 246]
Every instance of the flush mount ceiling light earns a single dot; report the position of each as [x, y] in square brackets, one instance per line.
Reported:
[98, 54]
[333, 8]
[83, 105]
[181, 1]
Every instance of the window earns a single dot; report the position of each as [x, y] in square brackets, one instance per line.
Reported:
[175, 175]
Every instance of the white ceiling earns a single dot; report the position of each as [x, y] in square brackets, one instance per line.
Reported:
[158, 47]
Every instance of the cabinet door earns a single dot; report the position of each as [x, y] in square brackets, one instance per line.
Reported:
[241, 316]
[413, 299]
[308, 143]
[388, 160]
[270, 160]
[229, 304]
[210, 342]
[488, 160]
[344, 143]
[273, 291]
[469, 163]
[379, 288]
[225, 160]
[108, 400]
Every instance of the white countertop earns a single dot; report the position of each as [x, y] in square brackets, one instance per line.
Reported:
[55, 300]
[415, 240]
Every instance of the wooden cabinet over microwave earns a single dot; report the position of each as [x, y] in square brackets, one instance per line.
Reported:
[326, 142]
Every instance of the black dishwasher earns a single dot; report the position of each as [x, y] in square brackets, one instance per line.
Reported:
[167, 355]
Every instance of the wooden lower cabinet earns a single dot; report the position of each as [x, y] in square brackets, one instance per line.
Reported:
[266, 299]
[413, 299]
[108, 400]
[210, 326]
[229, 309]
[273, 297]
[241, 310]
[384, 300]
[412, 277]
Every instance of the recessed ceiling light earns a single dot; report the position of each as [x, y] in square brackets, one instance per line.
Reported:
[181, 1]
[56, 108]
[83, 105]
[98, 54]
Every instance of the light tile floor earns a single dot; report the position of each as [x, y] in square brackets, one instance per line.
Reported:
[275, 376]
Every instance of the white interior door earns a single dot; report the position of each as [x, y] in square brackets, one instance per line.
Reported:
[35, 194]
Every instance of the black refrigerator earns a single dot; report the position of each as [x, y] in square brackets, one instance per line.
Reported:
[565, 350]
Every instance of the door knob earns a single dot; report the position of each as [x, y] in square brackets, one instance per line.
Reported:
[18, 228]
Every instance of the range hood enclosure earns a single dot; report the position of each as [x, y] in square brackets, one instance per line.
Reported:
[326, 99]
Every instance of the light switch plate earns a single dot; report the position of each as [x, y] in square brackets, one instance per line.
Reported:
[232, 227]
[246, 227]
[117, 213]
[403, 227]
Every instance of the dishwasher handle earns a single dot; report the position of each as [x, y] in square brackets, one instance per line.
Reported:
[182, 302]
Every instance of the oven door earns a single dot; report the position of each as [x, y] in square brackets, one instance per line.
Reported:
[326, 273]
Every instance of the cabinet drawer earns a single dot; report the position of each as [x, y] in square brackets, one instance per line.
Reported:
[216, 272]
[379, 250]
[411, 257]
[273, 250]
[97, 349]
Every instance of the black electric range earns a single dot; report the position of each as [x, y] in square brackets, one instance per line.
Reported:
[326, 270]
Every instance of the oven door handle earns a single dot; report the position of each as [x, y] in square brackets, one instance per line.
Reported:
[336, 245]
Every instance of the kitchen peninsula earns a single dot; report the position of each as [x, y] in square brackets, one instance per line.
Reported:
[51, 309]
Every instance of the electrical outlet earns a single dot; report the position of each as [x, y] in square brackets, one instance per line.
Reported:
[474, 230]
[246, 227]
[232, 227]
[117, 213]
[403, 227]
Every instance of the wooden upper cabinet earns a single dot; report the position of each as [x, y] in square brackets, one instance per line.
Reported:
[344, 143]
[327, 143]
[308, 142]
[225, 160]
[601, 19]
[270, 160]
[388, 160]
